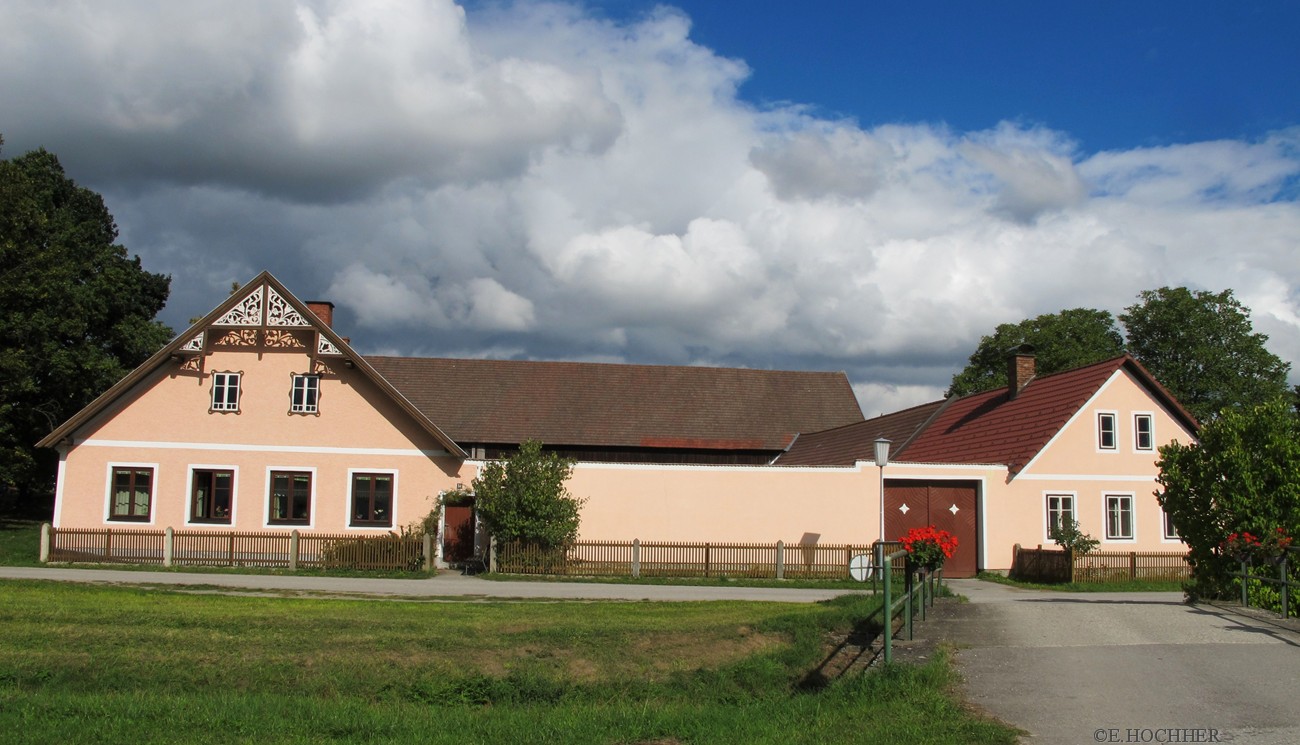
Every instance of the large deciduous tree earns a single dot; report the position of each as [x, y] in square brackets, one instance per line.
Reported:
[524, 498]
[1202, 347]
[1243, 474]
[76, 313]
[1061, 341]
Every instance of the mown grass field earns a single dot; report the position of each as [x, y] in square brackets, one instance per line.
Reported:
[108, 664]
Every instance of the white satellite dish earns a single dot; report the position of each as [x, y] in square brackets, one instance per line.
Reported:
[860, 567]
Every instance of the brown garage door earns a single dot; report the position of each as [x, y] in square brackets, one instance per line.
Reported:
[947, 505]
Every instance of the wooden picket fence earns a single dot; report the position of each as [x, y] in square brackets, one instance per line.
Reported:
[1054, 565]
[637, 558]
[290, 550]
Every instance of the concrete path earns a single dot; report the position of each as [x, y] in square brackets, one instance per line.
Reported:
[1123, 667]
[447, 584]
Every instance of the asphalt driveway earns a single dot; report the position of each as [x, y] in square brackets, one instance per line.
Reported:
[1123, 667]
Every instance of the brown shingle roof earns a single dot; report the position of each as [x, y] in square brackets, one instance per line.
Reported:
[990, 428]
[846, 445]
[583, 403]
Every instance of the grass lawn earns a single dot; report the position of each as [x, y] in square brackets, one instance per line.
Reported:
[1137, 585]
[20, 542]
[111, 664]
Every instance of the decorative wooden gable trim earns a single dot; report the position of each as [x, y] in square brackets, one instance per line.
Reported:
[261, 315]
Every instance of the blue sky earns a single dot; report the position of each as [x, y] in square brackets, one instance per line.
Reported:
[867, 187]
[1112, 74]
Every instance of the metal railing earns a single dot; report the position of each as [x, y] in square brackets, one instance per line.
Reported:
[907, 605]
[1283, 580]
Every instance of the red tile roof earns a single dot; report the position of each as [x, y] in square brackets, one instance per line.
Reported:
[985, 427]
[991, 428]
[844, 446]
[582, 403]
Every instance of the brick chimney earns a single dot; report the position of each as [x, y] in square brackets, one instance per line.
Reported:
[324, 310]
[1021, 368]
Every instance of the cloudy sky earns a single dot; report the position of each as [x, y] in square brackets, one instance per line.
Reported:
[827, 185]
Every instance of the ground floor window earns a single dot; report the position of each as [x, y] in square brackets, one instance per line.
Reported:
[290, 498]
[372, 499]
[1171, 533]
[211, 496]
[132, 497]
[1060, 511]
[1119, 517]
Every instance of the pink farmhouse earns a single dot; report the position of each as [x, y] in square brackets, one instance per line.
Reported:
[261, 417]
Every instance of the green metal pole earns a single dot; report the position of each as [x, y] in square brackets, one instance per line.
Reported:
[888, 612]
[907, 604]
[1245, 599]
[1286, 588]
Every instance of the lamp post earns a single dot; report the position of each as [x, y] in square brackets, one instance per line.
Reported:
[882, 460]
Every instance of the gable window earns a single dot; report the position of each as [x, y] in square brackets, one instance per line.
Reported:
[132, 497]
[1119, 517]
[211, 496]
[290, 498]
[372, 499]
[1144, 432]
[1106, 431]
[225, 391]
[305, 394]
[1060, 511]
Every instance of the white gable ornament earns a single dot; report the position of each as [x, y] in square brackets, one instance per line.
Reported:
[248, 312]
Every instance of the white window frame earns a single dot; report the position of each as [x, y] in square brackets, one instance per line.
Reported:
[1113, 416]
[347, 509]
[310, 386]
[1073, 497]
[1132, 517]
[108, 491]
[223, 403]
[189, 496]
[1150, 419]
[313, 502]
[1168, 533]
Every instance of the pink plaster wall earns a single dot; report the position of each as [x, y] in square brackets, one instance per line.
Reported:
[166, 423]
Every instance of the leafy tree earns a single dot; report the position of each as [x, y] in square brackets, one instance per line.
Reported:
[76, 313]
[1201, 346]
[1071, 537]
[1242, 475]
[1065, 340]
[524, 498]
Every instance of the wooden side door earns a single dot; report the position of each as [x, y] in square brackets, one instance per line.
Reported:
[458, 533]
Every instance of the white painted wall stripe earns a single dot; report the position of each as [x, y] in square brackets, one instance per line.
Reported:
[229, 447]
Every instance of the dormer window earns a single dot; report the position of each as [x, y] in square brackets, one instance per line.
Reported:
[305, 394]
[225, 391]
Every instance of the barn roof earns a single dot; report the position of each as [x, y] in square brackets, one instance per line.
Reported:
[597, 404]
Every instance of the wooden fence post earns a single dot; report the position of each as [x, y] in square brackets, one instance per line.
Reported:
[108, 543]
[780, 559]
[636, 558]
[167, 546]
[1132, 565]
[293, 549]
[706, 560]
[45, 543]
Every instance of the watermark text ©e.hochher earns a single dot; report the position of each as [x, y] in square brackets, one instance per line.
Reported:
[1157, 734]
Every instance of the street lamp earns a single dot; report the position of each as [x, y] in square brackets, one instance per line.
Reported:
[882, 460]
